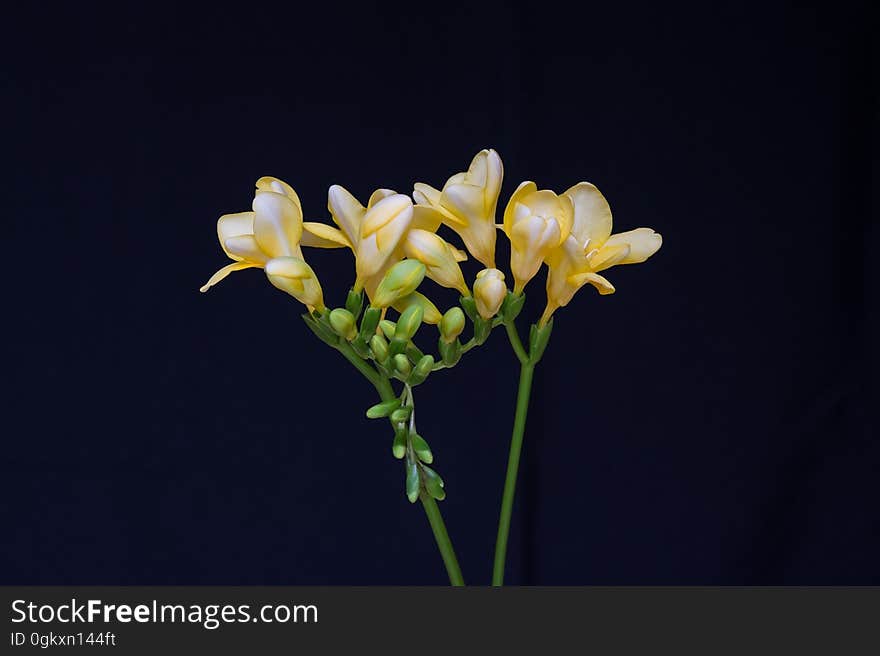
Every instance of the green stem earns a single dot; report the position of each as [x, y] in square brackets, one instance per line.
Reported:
[515, 342]
[432, 510]
[386, 393]
[519, 426]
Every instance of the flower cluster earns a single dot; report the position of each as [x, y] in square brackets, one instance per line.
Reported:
[569, 232]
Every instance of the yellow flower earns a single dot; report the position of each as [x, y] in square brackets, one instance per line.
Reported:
[272, 230]
[536, 222]
[386, 246]
[489, 292]
[468, 202]
[590, 247]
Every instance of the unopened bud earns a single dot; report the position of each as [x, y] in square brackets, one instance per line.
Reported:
[401, 280]
[402, 365]
[343, 323]
[452, 324]
[409, 322]
[489, 292]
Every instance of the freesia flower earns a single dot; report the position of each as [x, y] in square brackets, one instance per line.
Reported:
[536, 222]
[590, 247]
[271, 231]
[468, 202]
[392, 232]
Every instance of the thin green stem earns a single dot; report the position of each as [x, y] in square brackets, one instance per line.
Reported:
[519, 427]
[432, 510]
[515, 342]
[435, 518]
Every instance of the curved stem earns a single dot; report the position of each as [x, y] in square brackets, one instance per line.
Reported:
[435, 518]
[519, 427]
[515, 342]
[432, 510]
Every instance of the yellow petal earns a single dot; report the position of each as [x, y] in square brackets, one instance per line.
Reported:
[609, 255]
[234, 225]
[642, 242]
[600, 283]
[521, 192]
[245, 248]
[426, 218]
[277, 224]
[321, 235]
[394, 208]
[225, 271]
[431, 314]
[378, 195]
[592, 215]
[346, 211]
[466, 202]
[268, 183]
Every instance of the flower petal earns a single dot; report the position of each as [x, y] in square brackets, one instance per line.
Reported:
[643, 243]
[277, 224]
[346, 211]
[225, 271]
[234, 225]
[321, 235]
[600, 283]
[268, 183]
[378, 195]
[395, 208]
[592, 214]
[522, 191]
[245, 248]
[609, 255]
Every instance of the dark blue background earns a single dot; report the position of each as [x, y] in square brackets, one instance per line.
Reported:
[711, 423]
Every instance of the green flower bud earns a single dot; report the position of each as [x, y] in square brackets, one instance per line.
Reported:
[433, 483]
[387, 327]
[379, 347]
[420, 372]
[452, 324]
[412, 482]
[401, 363]
[398, 446]
[401, 414]
[343, 323]
[401, 280]
[423, 451]
[383, 409]
[409, 322]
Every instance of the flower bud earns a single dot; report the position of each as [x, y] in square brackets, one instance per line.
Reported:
[423, 368]
[294, 276]
[379, 347]
[402, 365]
[387, 327]
[409, 322]
[439, 258]
[400, 281]
[343, 323]
[489, 292]
[452, 324]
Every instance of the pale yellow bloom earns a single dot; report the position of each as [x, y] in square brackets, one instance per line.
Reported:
[387, 245]
[271, 231]
[590, 247]
[536, 222]
[468, 202]
[489, 292]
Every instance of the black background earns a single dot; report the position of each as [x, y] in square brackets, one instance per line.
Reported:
[711, 423]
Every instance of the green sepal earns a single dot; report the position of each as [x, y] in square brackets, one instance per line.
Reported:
[398, 345]
[383, 409]
[371, 319]
[322, 331]
[423, 451]
[360, 347]
[413, 352]
[398, 446]
[412, 481]
[401, 414]
[402, 363]
[512, 306]
[423, 368]
[538, 338]
[433, 483]
[482, 328]
[469, 305]
[379, 347]
[354, 302]
[450, 352]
